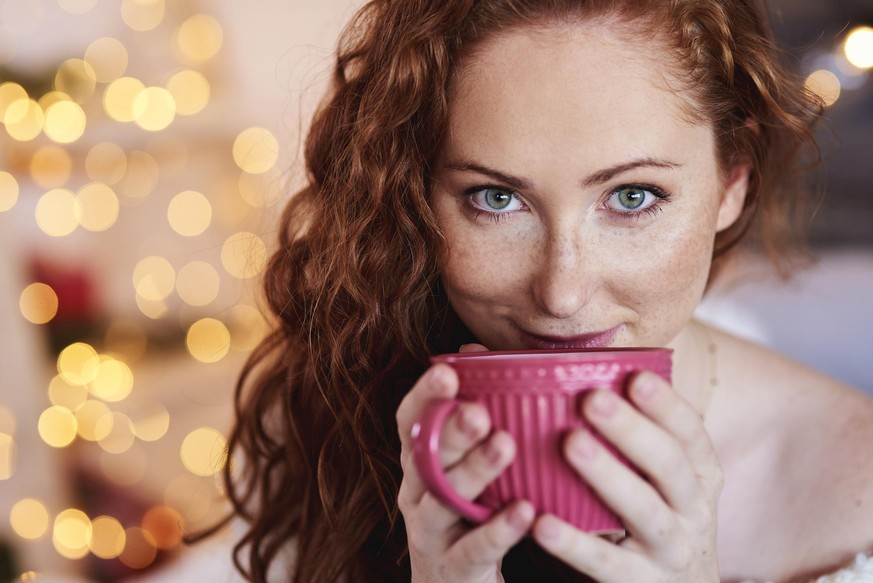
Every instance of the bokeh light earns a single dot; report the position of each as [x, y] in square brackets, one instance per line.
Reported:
[243, 255]
[51, 166]
[256, 150]
[190, 90]
[97, 207]
[106, 162]
[78, 363]
[72, 533]
[10, 92]
[116, 432]
[77, 79]
[165, 526]
[261, 190]
[141, 176]
[198, 283]
[24, 120]
[57, 426]
[108, 58]
[154, 109]
[150, 421]
[142, 15]
[119, 97]
[154, 278]
[208, 340]
[89, 415]
[8, 191]
[199, 38]
[139, 548]
[64, 394]
[859, 47]
[204, 451]
[64, 122]
[107, 537]
[56, 212]
[77, 6]
[248, 327]
[154, 309]
[38, 303]
[824, 84]
[29, 518]
[189, 213]
[8, 456]
[113, 382]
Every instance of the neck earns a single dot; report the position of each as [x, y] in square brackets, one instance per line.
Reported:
[695, 365]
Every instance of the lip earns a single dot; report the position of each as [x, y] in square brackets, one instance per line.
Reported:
[592, 340]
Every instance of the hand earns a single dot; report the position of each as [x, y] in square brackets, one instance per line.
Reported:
[671, 519]
[441, 546]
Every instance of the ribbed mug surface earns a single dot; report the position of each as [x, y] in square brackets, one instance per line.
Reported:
[536, 397]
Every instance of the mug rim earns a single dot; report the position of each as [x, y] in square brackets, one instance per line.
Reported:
[549, 354]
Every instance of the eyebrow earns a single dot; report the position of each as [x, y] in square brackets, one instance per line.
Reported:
[594, 179]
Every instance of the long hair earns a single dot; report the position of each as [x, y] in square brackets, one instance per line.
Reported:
[354, 285]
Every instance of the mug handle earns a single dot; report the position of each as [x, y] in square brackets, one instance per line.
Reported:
[426, 453]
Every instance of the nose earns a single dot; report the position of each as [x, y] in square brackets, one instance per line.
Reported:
[563, 283]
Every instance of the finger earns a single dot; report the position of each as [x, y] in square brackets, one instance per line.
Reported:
[660, 402]
[649, 447]
[472, 347]
[439, 382]
[587, 553]
[467, 426]
[638, 505]
[482, 547]
[470, 477]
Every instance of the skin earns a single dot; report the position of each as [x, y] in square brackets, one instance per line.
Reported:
[558, 110]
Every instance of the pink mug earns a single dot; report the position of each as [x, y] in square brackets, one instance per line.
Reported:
[535, 396]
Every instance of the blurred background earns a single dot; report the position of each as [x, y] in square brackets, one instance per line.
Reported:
[146, 150]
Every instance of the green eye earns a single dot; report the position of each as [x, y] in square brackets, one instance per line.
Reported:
[631, 197]
[497, 199]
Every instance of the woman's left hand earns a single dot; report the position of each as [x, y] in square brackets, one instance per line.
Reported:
[671, 518]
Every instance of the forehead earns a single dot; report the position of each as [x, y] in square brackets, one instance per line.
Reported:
[593, 86]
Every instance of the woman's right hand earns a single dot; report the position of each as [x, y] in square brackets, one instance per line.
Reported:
[442, 547]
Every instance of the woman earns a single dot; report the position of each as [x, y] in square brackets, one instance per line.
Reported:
[517, 174]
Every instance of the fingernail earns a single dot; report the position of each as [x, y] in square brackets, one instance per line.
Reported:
[520, 516]
[583, 446]
[492, 452]
[548, 529]
[438, 382]
[604, 403]
[645, 386]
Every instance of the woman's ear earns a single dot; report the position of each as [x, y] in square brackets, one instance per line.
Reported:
[734, 196]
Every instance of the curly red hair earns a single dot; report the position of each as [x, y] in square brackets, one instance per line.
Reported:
[354, 285]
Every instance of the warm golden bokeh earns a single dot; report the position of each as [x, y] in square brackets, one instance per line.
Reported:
[108, 58]
[113, 381]
[154, 109]
[151, 421]
[106, 162]
[119, 97]
[190, 89]
[142, 175]
[244, 255]
[64, 122]
[72, 533]
[165, 526]
[8, 456]
[77, 79]
[204, 451]
[208, 340]
[50, 167]
[139, 549]
[248, 327]
[154, 278]
[64, 394]
[38, 303]
[142, 15]
[256, 150]
[24, 120]
[77, 6]
[198, 283]
[56, 212]
[57, 426]
[199, 38]
[29, 519]
[107, 537]
[10, 92]
[116, 432]
[88, 416]
[8, 191]
[78, 363]
[859, 47]
[97, 207]
[824, 84]
[189, 213]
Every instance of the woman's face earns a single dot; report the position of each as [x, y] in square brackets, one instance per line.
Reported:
[579, 204]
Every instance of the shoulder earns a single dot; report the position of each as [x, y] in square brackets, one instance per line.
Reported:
[806, 449]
